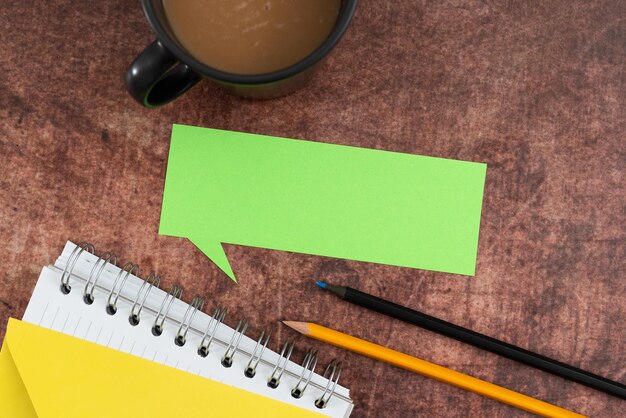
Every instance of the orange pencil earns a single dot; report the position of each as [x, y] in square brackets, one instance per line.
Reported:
[432, 370]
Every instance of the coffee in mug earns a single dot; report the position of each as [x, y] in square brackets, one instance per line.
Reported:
[251, 36]
[257, 49]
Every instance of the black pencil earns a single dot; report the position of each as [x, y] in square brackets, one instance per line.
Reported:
[478, 340]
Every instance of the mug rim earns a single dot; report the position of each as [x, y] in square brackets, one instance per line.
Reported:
[343, 21]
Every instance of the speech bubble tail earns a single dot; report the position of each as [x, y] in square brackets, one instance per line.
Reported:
[213, 249]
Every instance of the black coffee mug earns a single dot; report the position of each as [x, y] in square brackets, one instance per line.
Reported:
[165, 70]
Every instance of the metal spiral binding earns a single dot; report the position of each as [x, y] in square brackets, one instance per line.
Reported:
[211, 329]
[112, 301]
[250, 370]
[242, 326]
[335, 368]
[176, 292]
[332, 372]
[71, 262]
[308, 365]
[102, 261]
[281, 365]
[197, 303]
[153, 280]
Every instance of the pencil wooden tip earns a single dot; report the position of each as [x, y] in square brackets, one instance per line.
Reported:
[301, 327]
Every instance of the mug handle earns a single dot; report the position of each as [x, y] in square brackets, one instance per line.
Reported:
[156, 77]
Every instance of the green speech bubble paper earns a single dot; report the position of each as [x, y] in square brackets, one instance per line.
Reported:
[323, 199]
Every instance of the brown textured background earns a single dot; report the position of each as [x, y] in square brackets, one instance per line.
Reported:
[534, 89]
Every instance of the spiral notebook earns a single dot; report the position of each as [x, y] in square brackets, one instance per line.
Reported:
[88, 296]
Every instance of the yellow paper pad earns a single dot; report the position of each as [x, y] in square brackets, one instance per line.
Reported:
[48, 374]
[13, 395]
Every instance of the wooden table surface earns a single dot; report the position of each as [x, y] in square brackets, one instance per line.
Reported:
[534, 89]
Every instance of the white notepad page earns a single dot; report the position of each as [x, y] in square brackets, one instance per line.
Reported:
[50, 308]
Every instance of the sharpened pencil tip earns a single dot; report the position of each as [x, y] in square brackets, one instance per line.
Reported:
[321, 284]
[301, 327]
